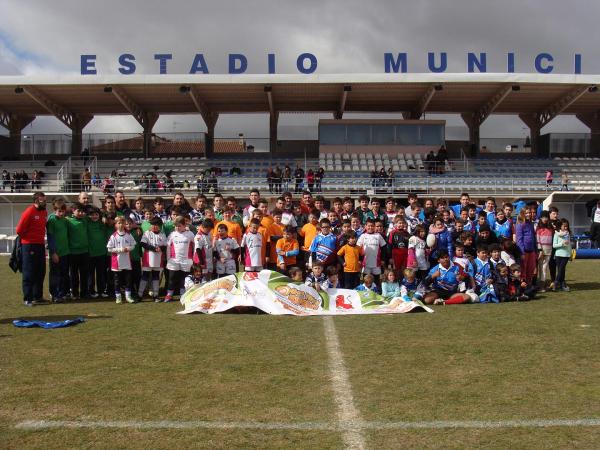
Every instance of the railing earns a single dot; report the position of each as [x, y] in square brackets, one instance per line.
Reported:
[338, 185]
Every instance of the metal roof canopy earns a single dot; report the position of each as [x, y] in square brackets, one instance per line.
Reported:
[478, 93]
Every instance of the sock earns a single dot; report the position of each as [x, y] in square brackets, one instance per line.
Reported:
[142, 287]
[455, 300]
[155, 287]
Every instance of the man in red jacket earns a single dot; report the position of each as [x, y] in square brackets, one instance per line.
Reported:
[32, 230]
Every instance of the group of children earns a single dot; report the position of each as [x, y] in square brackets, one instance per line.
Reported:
[433, 252]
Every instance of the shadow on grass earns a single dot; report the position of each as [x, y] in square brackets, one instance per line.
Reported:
[55, 318]
[591, 286]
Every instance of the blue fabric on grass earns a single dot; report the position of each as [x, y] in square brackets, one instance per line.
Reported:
[22, 323]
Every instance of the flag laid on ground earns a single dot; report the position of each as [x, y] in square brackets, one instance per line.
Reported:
[275, 293]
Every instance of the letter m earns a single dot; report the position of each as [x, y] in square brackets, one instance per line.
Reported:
[395, 65]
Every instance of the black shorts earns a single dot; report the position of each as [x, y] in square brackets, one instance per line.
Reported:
[443, 294]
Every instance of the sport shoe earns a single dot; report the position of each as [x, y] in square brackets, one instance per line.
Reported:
[157, 300]
[104, 295]
[438, 301]
[119, 299]
[129, 298]
[58, 300]
[94, 295]
[168, 298]
[28, 303]
[566, 288]
[552, 287]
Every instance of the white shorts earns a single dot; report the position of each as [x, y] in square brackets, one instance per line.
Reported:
[183, 266]
[227, 267]
[372, 270]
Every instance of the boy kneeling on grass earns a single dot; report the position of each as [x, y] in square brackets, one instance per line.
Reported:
[440, 287]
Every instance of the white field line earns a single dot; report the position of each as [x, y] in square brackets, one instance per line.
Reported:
[348, 416]
[305, 426]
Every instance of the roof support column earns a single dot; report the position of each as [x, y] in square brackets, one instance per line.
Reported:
[148, 124]
[15, 125]
[535, 126]
[210, 119]
[77, 126]
[473, 125]
[592, 120]
[273, 121]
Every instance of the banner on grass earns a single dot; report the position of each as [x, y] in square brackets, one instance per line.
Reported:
[275, 293]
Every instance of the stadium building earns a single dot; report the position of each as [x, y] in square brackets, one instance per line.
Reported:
[348, 149]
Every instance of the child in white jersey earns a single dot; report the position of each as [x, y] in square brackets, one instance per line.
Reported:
[226, 251]
[194, 278]
[371, 244]
[203, 248]
[252, 243]
[154, 243]
[120, 244]
[180, 247]
[417, 254]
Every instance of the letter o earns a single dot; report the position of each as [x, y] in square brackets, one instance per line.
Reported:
[300, 63]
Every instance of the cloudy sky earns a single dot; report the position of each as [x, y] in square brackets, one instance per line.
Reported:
[350, 36]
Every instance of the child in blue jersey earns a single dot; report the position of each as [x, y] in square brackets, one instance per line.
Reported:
[483, 277]
[409, 284]
[441, 284]
[324, 245]
[502, 226]
[368, 284]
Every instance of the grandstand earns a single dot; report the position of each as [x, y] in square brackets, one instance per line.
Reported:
[348, 150]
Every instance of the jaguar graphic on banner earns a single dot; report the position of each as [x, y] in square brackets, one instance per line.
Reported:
[275, 293]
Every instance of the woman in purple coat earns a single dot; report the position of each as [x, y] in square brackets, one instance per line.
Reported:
[525, 234]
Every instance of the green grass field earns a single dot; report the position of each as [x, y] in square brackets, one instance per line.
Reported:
[218, 379]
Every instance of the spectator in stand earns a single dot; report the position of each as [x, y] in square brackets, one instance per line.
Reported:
[5, 179]
[32, 231]
[390, 177]
[382, 177]
[441, 158]
[595, 226]
[430, 163]
[299, 179]
[36, 180]
[287, 177]
[86, 180]
[277, 175]
[270, 179]
[310, 179]
[319, 179]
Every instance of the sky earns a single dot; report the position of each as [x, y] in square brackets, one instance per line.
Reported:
[47, 37]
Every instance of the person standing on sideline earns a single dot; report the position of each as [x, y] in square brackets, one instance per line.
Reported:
[549, 176]
[32, 230]
[564, 180]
